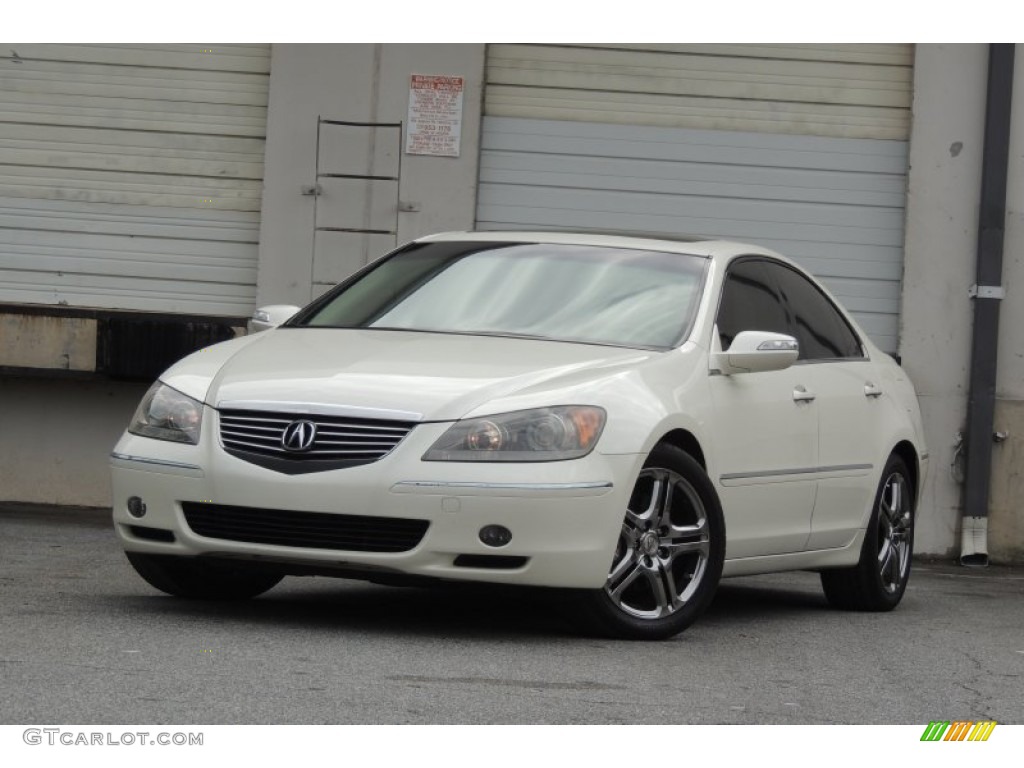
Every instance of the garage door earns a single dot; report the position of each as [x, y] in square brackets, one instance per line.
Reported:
[131, 175]
[799, 148]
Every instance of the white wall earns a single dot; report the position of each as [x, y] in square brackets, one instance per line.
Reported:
[357, 83]
[941, 248]
[941, 233]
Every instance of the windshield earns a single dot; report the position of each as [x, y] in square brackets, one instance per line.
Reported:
[540, 290]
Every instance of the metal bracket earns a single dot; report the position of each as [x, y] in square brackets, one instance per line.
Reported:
[986, 292]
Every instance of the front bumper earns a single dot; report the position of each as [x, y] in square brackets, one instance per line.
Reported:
[565, 516]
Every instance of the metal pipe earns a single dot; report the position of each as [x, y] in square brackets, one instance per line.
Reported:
[987, 293]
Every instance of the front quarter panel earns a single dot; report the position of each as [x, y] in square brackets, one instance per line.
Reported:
[644, 401]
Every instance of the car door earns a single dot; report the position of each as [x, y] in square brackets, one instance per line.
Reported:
[766, 435]
[848, 404]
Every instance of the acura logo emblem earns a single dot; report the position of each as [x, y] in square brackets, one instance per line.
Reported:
[299, 436]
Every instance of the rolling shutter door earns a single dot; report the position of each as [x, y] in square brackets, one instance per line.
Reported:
[802, 149]
[131, 175]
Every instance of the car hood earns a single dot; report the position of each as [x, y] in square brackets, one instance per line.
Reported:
[428, 376]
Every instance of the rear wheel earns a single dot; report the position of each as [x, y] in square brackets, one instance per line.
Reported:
[198, 579]
[879, 579]
[669, 554]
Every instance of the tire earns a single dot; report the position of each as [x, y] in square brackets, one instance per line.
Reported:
[197, 579]
[879, 579]
[669, 555]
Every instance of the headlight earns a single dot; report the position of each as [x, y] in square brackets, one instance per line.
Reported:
[167, 414]
[541, 434]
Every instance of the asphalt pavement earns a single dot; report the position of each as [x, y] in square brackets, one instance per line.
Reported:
[84, 640]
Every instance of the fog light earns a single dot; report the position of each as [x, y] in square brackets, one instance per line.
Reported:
[136, 507]
[495, 535]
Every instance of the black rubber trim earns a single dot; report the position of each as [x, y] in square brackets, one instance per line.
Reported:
[491, 562]
[299, 466]
[312, 530]
[151, 534]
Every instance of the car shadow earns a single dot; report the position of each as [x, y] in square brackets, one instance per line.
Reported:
[737, 604]
[464, 611]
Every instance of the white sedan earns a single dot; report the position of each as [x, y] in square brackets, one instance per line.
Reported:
[630, 418]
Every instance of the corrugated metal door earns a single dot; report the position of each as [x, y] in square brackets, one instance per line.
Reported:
[131, 175]
[800, 148]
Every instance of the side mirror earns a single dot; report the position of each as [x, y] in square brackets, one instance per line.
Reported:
[754, 351]
[265, 318]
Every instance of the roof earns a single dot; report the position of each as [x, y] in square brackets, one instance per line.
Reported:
[691, 245]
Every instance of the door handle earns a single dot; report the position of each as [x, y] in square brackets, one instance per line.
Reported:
[870, 390]
[800, 394]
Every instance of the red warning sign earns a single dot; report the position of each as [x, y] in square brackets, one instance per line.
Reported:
[435, 115]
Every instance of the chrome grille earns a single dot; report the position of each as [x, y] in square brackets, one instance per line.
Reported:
[338, 438]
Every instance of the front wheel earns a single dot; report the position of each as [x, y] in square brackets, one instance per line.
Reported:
[669, 554]
[198, 579]
[879, 579]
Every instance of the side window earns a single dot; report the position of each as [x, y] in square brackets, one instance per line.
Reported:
[750, 302]
[823, 333]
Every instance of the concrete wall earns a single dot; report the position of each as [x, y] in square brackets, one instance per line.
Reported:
[941, 247]
[368, 83]
[941, 234]
[56, 437]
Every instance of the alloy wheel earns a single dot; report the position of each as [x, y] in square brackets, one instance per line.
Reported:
[663, 548]
[894, 528]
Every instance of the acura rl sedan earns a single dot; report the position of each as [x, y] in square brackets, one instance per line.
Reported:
[630, 419]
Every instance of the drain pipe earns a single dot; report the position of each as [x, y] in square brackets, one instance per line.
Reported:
[987, 292]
